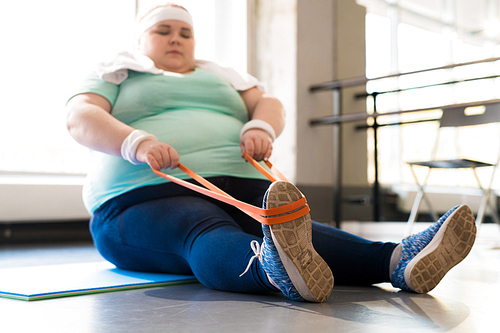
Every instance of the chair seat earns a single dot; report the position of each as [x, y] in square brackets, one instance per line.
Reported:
[452, 164]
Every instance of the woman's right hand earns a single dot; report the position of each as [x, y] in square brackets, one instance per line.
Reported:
[158, 155]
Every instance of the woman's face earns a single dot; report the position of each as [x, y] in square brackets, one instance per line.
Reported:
[170, 44]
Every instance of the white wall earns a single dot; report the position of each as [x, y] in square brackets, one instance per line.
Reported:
[299, 44]
[273, 61]
[316, 63]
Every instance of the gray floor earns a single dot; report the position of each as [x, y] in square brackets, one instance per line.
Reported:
[465, 301]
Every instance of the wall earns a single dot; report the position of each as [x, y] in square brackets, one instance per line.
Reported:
[273, 61]
[300, 43]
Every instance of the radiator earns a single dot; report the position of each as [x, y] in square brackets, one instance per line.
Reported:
[41, 198]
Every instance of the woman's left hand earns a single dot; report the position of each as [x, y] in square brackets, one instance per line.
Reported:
[257, 143]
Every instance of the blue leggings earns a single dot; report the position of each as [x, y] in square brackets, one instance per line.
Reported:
[168, 228]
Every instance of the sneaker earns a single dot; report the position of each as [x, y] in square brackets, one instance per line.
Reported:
[288, 256]
[427, 256]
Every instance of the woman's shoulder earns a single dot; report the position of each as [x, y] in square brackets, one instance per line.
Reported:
[240, 81]
[116, 68]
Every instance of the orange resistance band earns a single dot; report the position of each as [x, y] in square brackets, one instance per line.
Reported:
[264, 216]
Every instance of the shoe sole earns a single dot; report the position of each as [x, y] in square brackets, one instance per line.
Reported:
[451, 244]
[308, 272]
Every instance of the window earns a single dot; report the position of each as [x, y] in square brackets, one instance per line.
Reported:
[410, 35]
[53, 44]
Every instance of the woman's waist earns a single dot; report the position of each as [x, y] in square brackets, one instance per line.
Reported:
[111, 175]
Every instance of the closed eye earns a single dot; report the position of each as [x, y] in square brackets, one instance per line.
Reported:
[186, 33]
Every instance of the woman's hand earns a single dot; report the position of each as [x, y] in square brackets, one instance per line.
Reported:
[157, 155]
[257, 143]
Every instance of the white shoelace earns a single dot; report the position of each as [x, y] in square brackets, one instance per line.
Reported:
[258, 254]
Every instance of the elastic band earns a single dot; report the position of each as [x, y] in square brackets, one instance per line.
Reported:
[298, 208]
[263, 171]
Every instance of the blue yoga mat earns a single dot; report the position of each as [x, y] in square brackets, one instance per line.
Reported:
[43, 282]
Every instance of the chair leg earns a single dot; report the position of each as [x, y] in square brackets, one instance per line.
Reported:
[486, 204]
[494, 214]
[431, 210]
[485, 201]
[416, 203]
[482, 209]
[414, 212]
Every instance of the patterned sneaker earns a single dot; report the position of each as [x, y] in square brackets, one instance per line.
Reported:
[427, 256]
[288, 256]
[276, 272]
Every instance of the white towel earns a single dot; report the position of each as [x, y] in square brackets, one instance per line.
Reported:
[115, 70]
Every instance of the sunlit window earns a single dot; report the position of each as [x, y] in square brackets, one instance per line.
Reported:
[49, 46]
[403, 37]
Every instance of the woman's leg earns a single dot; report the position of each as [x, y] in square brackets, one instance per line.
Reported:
[420, 263]
[423, 258]
[188, 234]
[352, 259]
[428, 255]
[181, 235]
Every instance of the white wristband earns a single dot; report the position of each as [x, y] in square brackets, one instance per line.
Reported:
[259, 124]
[131, 142]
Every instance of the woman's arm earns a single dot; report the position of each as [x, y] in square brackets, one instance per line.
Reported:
[257, 142]
[90, 123]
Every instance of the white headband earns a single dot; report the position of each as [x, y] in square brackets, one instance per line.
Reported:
[163, 14]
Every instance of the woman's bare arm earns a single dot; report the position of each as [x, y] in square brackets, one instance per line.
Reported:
[90, 123]
[256, 142]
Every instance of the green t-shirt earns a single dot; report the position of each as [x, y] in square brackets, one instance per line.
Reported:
[198, 114]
